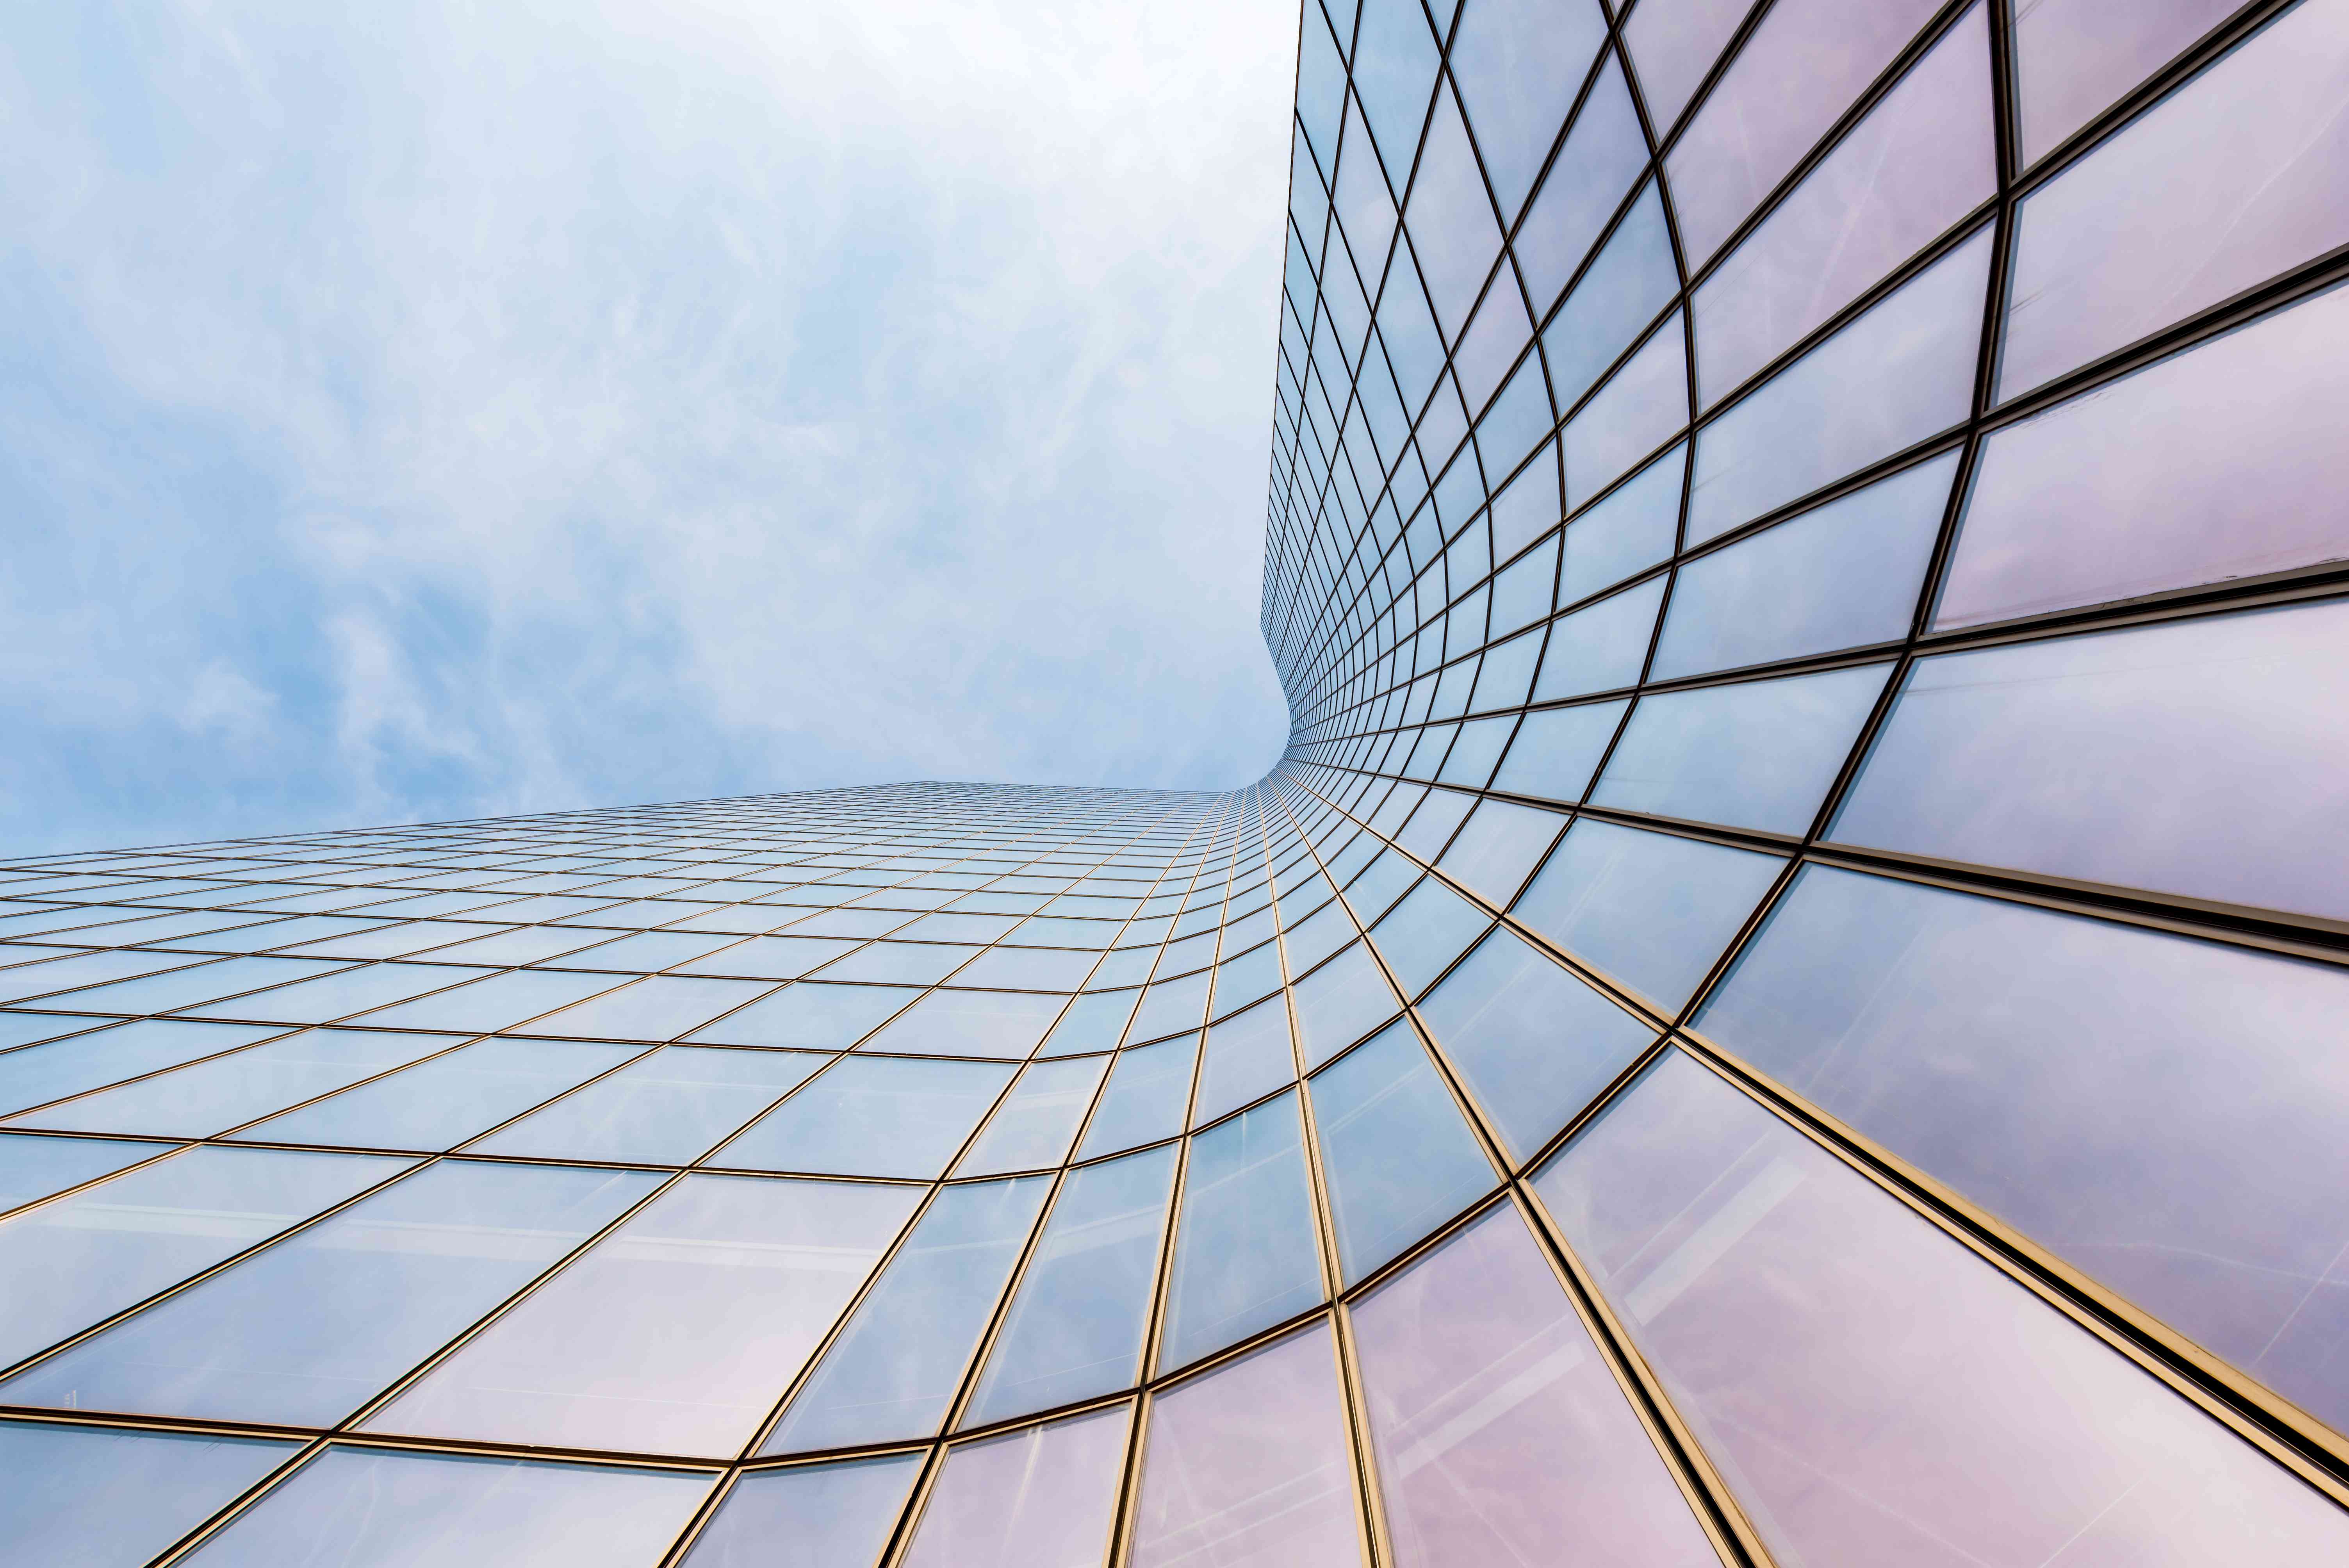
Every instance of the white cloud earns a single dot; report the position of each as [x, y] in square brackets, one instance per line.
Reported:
[563, 404]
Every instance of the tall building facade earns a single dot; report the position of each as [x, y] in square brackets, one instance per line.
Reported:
[1785, 1004]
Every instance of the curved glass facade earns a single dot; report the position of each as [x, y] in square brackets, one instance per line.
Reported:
[1784, 1006]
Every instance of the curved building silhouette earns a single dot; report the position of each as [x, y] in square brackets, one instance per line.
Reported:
[1785, 1004]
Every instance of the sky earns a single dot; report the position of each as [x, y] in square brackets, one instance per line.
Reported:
[445, 410]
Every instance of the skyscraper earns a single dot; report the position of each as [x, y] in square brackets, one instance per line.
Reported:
[1784, 1006]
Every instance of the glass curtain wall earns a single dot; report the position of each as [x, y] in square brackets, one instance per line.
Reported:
[1782, 1006]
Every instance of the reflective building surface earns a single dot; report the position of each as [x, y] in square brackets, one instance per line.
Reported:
[1785, 1004]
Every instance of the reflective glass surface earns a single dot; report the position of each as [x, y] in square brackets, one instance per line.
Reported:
[899, 1359]
[1248, 1465]
[809, 1516]
[1787, 1303]
[1246, 1255]
[1043, 1496]
[677, 1333]
[369, 1509]
[1496, 1428]
[1696, 423]
[1075, 1329]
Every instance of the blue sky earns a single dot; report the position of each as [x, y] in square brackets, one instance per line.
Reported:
[431, 411]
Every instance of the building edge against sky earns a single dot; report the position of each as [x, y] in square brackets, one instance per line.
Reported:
[1783, 1006]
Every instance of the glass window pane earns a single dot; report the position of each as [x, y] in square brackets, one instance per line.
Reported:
[2102, 756]
[87, 1497]
[1920, 161]
[1842, 575]
[809, 1015]
[2237, 176]
[33, 1168]
[1601, 646]
[1673, 43]
[1760, 754]
[500, 1001]
[1075, 1329]
[1450, 218]
[1340, 1002]
[772, 957]
[1249, 1056]
[1032, 1129]
[668, 1107]
[808, 1516]
[1042, 1498]
[1519, 64]
[675, 1334]
[1394, 71]
[2019, 1439]
[1247, 1466]
[1799, 70]
[2164, 1113]
[1470, 761]
[1094, 1022]
[1398, 1160]
[900, 1360]
[1630, 280]
[444, 1102]
[371, 1508]
[1172, 1005]
[213, 1096]
[1557, 749]
[1651, 910]
[1533, 1043]
[2074, 57]
[872, 1115]
[1641, 405]
[1246, 1255]
[1632, 530]
[109, 1246]
[645, 952]
[304, 1332]
[902, 963]
[1149, 1093]
[155, 992]
[1498, 1430]
[1588, 179]
[1499, 848]
[30, 976]
[1030, 969]
[1898, 373]
[370, 986]
[2225, 461]
[1423, 934]
[970, 1023]
[657, 1009]
[25, 1029]
[1254, 973]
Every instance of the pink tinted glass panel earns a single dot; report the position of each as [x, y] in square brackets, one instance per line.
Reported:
[1042, 1498]
[2074, 56]
[1643, 406]
[1497, 1428]
[2227, 462]
[1901, 371]
[2202, 758]
[1920, 160]
[1801, 68]
[2164, 1113]
[1673, 43]
[1809, 1326]
[1247, 1467]
[2237, 176]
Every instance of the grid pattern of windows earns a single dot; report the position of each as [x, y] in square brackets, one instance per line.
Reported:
[1783, 1006]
